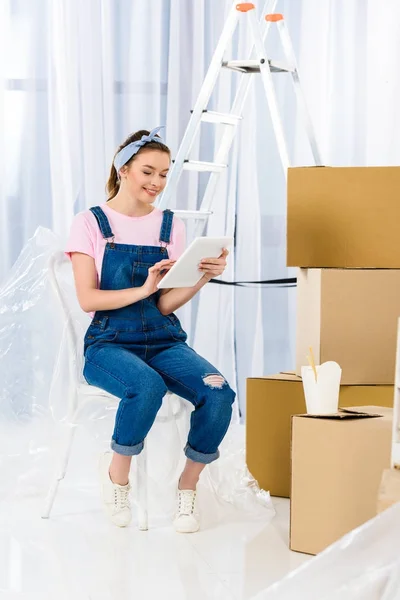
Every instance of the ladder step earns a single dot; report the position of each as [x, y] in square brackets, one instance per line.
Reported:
[192, 214]
[197, 165]
[210, 116]
[253, 66]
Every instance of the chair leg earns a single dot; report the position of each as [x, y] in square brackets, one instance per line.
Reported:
[62, 469]
[141, 484]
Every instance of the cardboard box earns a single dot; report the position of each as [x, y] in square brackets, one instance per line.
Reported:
[343, 217]
[337, 465]
[349, 316]
[271, 402]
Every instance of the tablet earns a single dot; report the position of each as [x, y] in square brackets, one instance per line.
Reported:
[185, 272]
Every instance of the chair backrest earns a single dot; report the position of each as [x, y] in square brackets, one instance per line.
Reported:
[74, 319]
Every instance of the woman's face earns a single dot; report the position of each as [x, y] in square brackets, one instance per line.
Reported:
[146, 176]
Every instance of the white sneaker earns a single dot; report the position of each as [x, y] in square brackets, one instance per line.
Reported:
[115, 497]
[186, 519]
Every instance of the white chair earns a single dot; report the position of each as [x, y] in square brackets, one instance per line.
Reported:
[80, 395]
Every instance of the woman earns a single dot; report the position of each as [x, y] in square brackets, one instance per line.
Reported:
[135, 347]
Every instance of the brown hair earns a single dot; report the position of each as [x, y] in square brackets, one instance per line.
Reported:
[113, 182]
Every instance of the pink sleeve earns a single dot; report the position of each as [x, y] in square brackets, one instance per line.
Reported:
[80, 237]
[178, 239]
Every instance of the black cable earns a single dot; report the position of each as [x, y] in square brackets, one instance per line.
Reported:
[288, 282]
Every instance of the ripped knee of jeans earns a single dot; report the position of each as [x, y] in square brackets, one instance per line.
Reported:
[215, 381]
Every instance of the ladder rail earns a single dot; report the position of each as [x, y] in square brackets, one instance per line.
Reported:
[200, 105]
[269, 88]
[291, 57]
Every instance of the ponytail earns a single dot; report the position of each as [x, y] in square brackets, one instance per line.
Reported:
[112, 186]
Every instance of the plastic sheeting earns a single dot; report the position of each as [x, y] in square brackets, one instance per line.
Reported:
[41, 359]
[363, 565]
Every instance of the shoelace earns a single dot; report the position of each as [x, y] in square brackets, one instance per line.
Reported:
[187, 500]
[121, 498]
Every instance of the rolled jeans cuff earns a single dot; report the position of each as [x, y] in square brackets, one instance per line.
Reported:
[200, 457]
[127, 450]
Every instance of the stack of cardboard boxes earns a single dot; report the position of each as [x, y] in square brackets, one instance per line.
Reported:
[343, 236]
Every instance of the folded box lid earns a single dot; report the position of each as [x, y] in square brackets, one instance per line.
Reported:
[283, 376]
[354, 413]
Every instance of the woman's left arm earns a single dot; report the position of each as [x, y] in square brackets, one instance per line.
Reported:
[173, 299]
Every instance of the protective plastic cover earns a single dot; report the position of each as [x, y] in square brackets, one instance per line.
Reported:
[41, 360]
[363, 565]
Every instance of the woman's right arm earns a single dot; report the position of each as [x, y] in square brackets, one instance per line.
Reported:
[92, 299]
[89, 297]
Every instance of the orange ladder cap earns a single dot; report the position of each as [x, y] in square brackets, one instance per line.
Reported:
[245, 7]
[274, 18]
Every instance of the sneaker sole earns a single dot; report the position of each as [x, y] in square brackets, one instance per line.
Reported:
[187, 532]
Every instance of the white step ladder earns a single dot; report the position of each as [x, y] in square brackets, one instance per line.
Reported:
[260, 64]
[395, 459]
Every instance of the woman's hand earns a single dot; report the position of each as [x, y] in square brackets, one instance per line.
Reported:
[154, 277]
[175, 298]
[212, 267]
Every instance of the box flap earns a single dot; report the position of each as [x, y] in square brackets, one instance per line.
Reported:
[311, 167]
[358, 411]
[343, 414]
[383, 411]
[279, 377]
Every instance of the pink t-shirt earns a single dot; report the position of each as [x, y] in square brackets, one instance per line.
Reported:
[85, 235]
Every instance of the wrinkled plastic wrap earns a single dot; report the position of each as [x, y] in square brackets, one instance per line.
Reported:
[41, 351]
[363, 565]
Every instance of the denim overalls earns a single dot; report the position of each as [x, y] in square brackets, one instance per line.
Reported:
[138, 354]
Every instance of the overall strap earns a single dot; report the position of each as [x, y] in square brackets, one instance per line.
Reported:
[103, 222]
[166, 226]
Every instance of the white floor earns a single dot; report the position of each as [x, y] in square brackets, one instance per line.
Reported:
[78, 555]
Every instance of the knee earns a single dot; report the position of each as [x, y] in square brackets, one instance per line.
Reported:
[218, 397]
[149, 393]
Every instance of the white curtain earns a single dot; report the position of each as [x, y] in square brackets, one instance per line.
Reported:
[77, 76]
